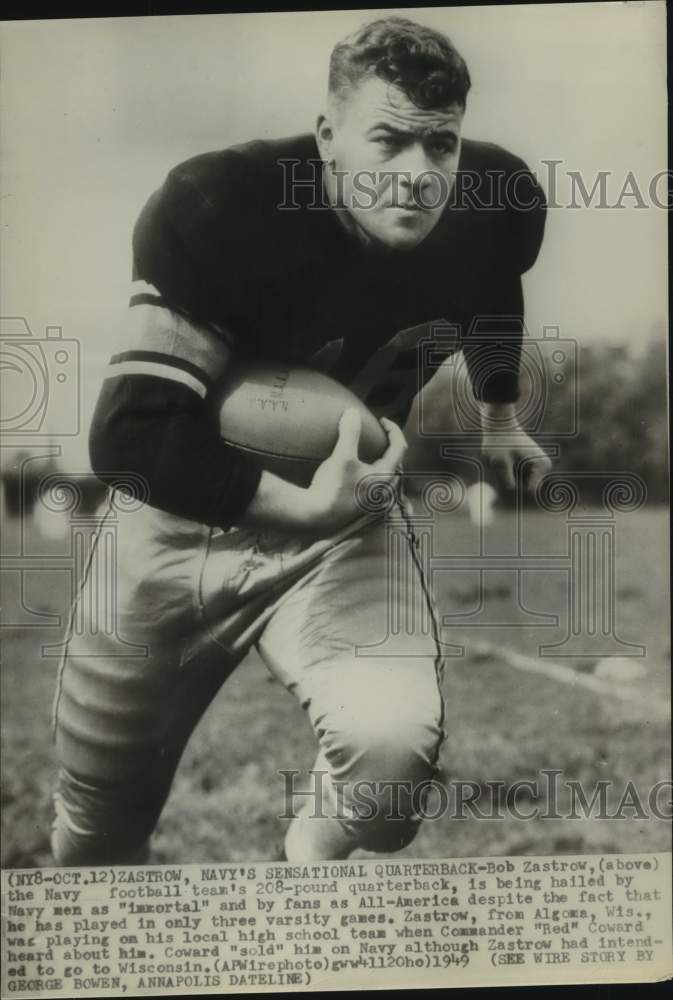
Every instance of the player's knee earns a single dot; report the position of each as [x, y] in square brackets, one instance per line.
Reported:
[380, 767]
[394, 744]
[401, 762]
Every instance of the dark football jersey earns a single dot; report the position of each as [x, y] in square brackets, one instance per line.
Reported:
[243, 242]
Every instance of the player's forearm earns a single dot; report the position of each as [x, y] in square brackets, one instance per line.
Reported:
[493, 343]
[282, 506]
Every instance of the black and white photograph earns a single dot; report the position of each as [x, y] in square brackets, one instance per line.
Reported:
[334, 477]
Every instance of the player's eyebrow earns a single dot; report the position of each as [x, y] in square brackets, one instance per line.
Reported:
[422, 133]
[386, 127]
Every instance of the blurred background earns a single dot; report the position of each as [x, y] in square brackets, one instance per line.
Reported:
[94, 113]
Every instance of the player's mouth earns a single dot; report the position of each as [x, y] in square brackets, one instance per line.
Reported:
[407, 206]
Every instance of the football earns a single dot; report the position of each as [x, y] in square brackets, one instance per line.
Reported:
[288, 417]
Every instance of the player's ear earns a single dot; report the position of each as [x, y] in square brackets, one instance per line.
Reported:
[324, 137]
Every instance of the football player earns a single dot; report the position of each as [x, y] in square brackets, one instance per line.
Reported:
[342, 250]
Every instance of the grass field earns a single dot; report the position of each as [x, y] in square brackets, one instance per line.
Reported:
[503, 722]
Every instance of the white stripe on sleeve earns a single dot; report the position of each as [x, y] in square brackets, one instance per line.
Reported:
[161, 371]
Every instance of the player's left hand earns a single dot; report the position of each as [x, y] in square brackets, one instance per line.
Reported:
[510, 450]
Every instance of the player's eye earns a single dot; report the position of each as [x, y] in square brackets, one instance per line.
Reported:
[387, 141]
[442, 147]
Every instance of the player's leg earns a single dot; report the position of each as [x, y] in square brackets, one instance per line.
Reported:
[357, 644]
[123, 713]
[117, 760]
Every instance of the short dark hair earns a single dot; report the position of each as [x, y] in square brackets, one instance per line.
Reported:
[420, 61]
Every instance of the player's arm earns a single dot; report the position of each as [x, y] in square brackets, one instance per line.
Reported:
[153, 419]
[153, 416]
[493, 353]
[152, 427]
[493, 346]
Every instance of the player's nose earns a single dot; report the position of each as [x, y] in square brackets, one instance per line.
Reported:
[416, 173]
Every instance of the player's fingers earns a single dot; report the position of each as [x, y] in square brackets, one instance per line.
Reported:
[391, 460]
[391, 427]
[350, 428]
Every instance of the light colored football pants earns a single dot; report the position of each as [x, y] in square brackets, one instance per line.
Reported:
[344, 623]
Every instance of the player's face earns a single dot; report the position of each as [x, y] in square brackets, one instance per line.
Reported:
[394, 163]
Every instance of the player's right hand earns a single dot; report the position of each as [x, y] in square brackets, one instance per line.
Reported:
[333, 493]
